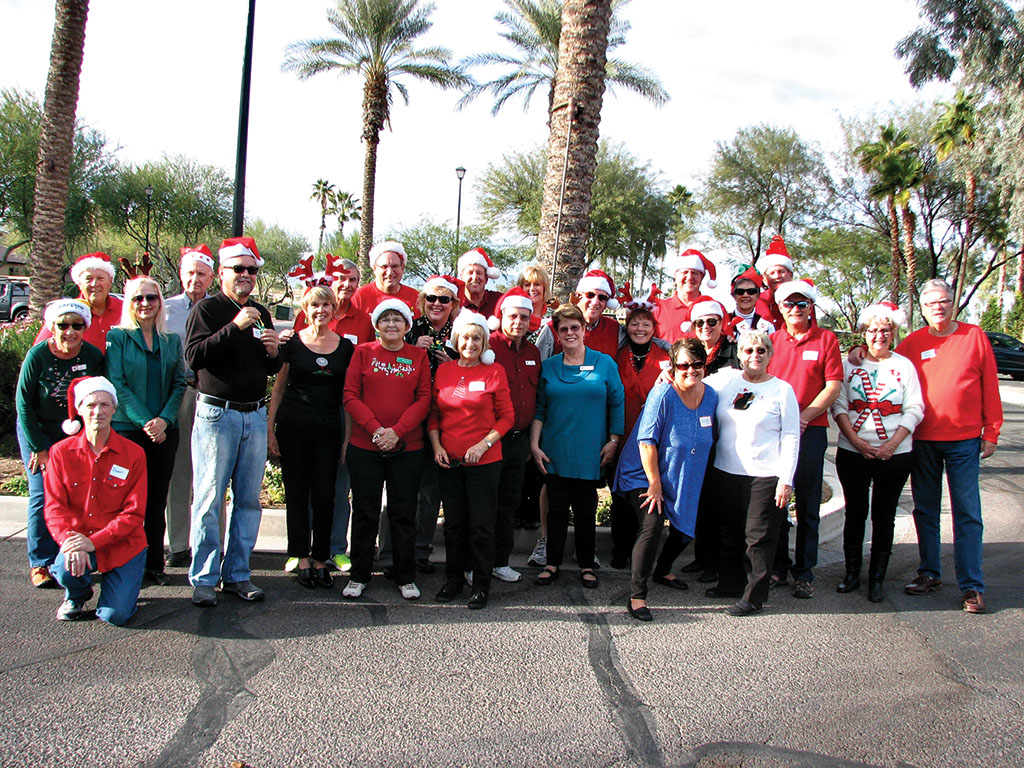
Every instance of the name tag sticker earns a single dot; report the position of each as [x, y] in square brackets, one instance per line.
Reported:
[476, 386]
[665, 365]
[810, 354]
[257, 332]
[353, 338]
[586, 367]
[405, 360]
[928, 354]
[705, 421]
[530, 362]
[79, 367]
[119, 472]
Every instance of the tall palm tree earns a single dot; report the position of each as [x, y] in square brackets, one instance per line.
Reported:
[954, 133]
[909, 173]
[323, 192]
[56, 140]
[347, 208]
[375, 40]
[534, 27]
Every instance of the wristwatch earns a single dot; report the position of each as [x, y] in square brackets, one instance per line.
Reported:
[489, 443]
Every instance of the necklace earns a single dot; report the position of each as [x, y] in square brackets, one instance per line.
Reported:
[258, 323]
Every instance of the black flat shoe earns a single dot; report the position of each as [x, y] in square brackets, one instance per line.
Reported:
[324, 578]
[306, 578]
[531, 525]
[448, 592]
[716, 592]
[670, 583]
[545, 577]
[588, 583]
[181, 559]
[477, 601]
[643, 613]
[159, 578]
[744, 608]
[708, 576]
[423, 565]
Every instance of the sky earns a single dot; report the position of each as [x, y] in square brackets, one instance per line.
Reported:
[164, 78]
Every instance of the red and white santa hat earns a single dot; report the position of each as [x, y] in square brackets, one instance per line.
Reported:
[466, 318]
[78, 390]
[706, 306]
[691, 258]
[513, 298]
[751, 274]
[447, 282]
[775, 256]
[60, 307]
[197, 254]
[239, 246]
[883, 309]
[803, 287]
[388, 246]
[479, 257]
[596, 280]
[393, 305]
[98, 260]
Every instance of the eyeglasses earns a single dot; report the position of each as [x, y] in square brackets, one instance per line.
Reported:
[752, 350]
[599, 296]
[878, 332]
[803, 304]
[79, 326]
[742, 400]
[711, 322]
[240, 268]
[697, 365]
[939, 303]
[430, 299]
[391, 320]
[745, 291]
[139, 298]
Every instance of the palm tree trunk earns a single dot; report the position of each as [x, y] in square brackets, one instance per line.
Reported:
[894, 245]
[56, 140]
[1001, 291]
[1019, 285]
[909, 230]
[323, 226]
[375, 110]
[581, 71]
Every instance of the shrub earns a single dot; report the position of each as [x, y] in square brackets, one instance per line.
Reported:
[15, 341]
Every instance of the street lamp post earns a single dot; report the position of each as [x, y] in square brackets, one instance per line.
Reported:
[461, 173]
[149, 202]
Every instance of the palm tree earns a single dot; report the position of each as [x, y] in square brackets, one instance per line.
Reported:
[909, 174]
[375, 40]
[56, 139]
[347, 208]
[323, 192]
[954, 131]
[534, 27]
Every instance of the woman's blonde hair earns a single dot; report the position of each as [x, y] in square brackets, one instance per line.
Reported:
[321, 292]
[421, 301]
[129, 320]
[534, 273]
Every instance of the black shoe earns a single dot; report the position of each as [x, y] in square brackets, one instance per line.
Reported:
[306, 578]
[590, 583]
[670, 583]
[744, 608]
[719, 592]
[875, 590]
[448, 592]
[423, 565]
[324, 578]
[531, 525]
[477, 601]
[643, 613]
[619, 563]
[546, 577]
[708, 576]
[850, 582]
[181, 559]
[159, 578]
[693, 567]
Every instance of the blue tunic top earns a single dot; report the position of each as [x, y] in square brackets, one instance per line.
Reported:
[684, 438]
[580, 406]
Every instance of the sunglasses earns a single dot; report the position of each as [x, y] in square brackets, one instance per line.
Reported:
[79, 326]
[742, 400]
[804, 304]
[152, 298]
[240, 268]
[599, 296]
[711, 322]
[752, 350]
[745, 291]
[687, 366]
[430, 299]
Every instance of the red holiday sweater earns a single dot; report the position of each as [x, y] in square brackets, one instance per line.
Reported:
[469, 403]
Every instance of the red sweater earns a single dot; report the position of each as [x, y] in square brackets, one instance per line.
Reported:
[469, 403]
[387, 389]
[959, 384]
[639, 383]
[368, 296]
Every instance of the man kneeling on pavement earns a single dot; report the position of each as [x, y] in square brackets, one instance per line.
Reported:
[95, 507]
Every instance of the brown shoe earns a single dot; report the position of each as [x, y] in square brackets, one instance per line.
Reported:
[922, 585]
[40, 578]
[973, 601]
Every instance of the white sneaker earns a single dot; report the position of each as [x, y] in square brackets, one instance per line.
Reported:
[469, 577]
[291, 565]
[410, 591]
[354, 589]
[507, 573]
[539, 557]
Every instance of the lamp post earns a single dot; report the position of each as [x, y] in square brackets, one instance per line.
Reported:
[461, 173]
[149, 202]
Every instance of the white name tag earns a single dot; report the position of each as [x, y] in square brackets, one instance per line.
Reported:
[705, 421]
[119, 472]
[257, 332]
[810, 354]
[79, 367]
[665, 365]
[530, 362]
[586, 367]
[928, 354]
[353, 338]
[476, 386]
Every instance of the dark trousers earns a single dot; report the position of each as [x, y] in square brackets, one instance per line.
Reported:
[750, 529]
[529, 499]
[580, 495]
[309, 469]
[159, 467]
[469, 494]
[674, 546]
[884, 480]
[428, 505]
[624, 526]
[369, 471]
[807, 489]
[707, 544]
[649, 527]
[515, 452]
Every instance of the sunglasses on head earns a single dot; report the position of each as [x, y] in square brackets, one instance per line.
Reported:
[711, 322]
[745, 291]
[599, 296]
[696, 365]
[430, 299]
[240, 268]
[152, 298]
[802, 304]
[78, 326]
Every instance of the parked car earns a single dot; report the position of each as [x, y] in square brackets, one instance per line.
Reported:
[1009, 354]
[13, 299]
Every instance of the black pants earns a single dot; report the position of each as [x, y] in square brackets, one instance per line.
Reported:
[309, 469]
[674, 546]
[884, 480]
[159, 467]
[469, 495]
[624, 526]
[529, 500]
[581, 496]
[645, 548]
[369, 471]
[515, 452]
[707, 544]
[750, 529]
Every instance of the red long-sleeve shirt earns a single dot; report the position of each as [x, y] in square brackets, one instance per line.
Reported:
[469, 403]
[368, 296]
[807, 364]
[522, 371]
[637, 384]
[102, 497]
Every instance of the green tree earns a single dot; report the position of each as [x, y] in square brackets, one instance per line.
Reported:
[1015, 317]
[375, 39]
[992, 317]
[533, 28]
[323, 193]
[281, 250]
[848, 265]
[432, 251]
[347, 208]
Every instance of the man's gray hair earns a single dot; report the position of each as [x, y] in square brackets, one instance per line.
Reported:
[933, 285]
[348, 265]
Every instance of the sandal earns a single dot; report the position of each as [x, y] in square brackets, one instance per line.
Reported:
[545, 577]
[590, 583]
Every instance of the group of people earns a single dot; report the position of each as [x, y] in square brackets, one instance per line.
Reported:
[390, 403]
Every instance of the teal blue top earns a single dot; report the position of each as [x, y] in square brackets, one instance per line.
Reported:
[579, 405]
[148, 383]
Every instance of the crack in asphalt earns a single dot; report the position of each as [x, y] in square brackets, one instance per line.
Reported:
[716, 752]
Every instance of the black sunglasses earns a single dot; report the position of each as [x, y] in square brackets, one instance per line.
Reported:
[752, 350]
[711, 322]
[687, 366]
[745, 291]
[430, 299]
[804, 304]
[240, 268]
[77, 326]
[152, 298]
[598, 296]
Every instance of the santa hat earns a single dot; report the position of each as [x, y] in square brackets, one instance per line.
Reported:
[447, 282]
[89, 261]
[388, 246]
[56, 309]
[750, 274]
[466, 318]
[199, 253]
[803, 287]
[707, 306]
[513, 298]
[239, 246]
[775, 256]
[479, 257]
[691, 258]
[883, 309]
[596, 280]
[392, 305]
[78, 390]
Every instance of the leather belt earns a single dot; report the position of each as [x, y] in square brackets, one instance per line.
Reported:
[230, 404]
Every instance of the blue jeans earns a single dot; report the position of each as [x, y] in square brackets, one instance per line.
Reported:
[42, 549]
[810, 467]
[119, 596]
[230, 448]
[961, 459]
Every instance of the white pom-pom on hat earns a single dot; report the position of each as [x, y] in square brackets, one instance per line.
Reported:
[78, 390]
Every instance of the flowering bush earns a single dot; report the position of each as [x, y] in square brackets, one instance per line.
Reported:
[15, 341]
